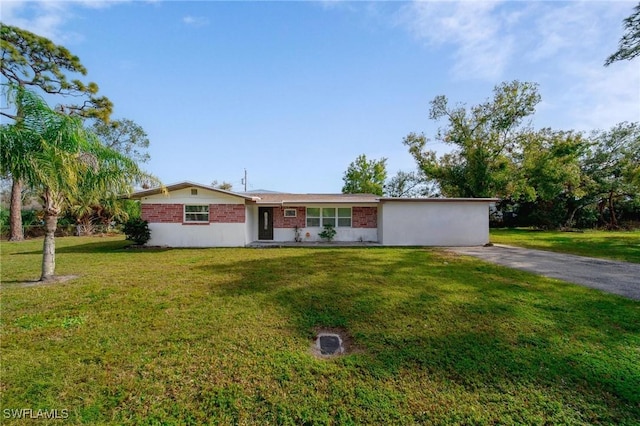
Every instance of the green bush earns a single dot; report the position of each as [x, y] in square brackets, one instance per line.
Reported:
[131, 208]
[329, 233]
[4, 221]
[137, 230]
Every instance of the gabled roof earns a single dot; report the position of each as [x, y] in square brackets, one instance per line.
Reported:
[184, 185]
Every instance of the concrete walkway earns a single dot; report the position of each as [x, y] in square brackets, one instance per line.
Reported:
[620, 278]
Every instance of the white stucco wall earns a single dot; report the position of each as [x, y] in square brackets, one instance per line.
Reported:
[211, 235]
[251, 229]
[343, 234]
[433, 223]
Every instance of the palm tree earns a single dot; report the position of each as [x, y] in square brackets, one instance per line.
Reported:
[56, 154]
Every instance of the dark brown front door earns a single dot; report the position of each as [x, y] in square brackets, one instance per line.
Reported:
[265, 223]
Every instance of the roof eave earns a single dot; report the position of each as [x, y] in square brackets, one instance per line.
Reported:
[182, 185]
[439, 200]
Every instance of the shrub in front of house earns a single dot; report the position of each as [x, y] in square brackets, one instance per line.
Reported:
[137, 230]
[329, 233]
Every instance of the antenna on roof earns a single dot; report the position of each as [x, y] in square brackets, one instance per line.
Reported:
[244, 180]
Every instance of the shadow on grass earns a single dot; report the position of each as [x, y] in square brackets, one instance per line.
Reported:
[477, 325]
[110, 246]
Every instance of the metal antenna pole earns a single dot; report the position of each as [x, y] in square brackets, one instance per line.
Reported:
[244, 181]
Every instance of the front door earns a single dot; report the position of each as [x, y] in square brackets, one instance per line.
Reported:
[265, 223]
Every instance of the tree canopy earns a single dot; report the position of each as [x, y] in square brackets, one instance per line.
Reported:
[365, 176]
[546, 178]
[484, 138]
[125, 136]
[30, 61]
[409, 185]
[58, 157]
[224, 185]
[629, 45]
[33, 61]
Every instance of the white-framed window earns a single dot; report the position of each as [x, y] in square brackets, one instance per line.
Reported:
[344, 217]
[196, 213]
[290, 212]
[339, 217]
[313, 217]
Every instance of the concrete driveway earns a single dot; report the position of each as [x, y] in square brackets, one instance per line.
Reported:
[620, 278]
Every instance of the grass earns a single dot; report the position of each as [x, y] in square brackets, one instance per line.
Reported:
[222, 336]
[620, 245]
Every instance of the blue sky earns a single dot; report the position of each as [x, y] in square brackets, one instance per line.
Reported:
[295, 91]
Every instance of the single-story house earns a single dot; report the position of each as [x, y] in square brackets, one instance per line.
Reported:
[193, 215]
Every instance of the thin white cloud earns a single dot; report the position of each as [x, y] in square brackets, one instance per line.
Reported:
[474, 30]
[561, 45]
[195, 21]
[602, 97]
[48, 17]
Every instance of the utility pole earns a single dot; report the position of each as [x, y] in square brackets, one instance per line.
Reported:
[244, 180]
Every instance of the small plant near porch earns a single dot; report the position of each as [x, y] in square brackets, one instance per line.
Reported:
[328, 234]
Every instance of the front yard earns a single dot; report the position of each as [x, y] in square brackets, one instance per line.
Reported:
[192, 336]
[621, 245]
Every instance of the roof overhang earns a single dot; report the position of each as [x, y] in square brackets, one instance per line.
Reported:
[303, 202]
[438, 200]
[184, 185]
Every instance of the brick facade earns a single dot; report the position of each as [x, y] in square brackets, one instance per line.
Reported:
[280, 221]
[226, 213]
[364, 217]
[162, 213]
[361, 217]
[174, 213]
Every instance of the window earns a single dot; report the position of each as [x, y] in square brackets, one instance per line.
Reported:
[196, 213]
[194, 191]
[313, 217]
[344, 217]
[329, 217]
[290, 212]
[337, 217]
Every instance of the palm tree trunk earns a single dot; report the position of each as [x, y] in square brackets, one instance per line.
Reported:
[15, 212]
[51, 207]
[49, 246]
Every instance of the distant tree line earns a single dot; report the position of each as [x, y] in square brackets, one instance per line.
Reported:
[544, 178]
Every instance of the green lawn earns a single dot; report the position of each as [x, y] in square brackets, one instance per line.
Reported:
[620, 245]
[222, 336]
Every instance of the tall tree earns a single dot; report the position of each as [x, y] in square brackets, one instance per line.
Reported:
[125, 136]
[629, 46]
[31, 61]
[61, 154]
[613, 165]
[548, 185]
[410, 185]
[365, 176]
[484, 138]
